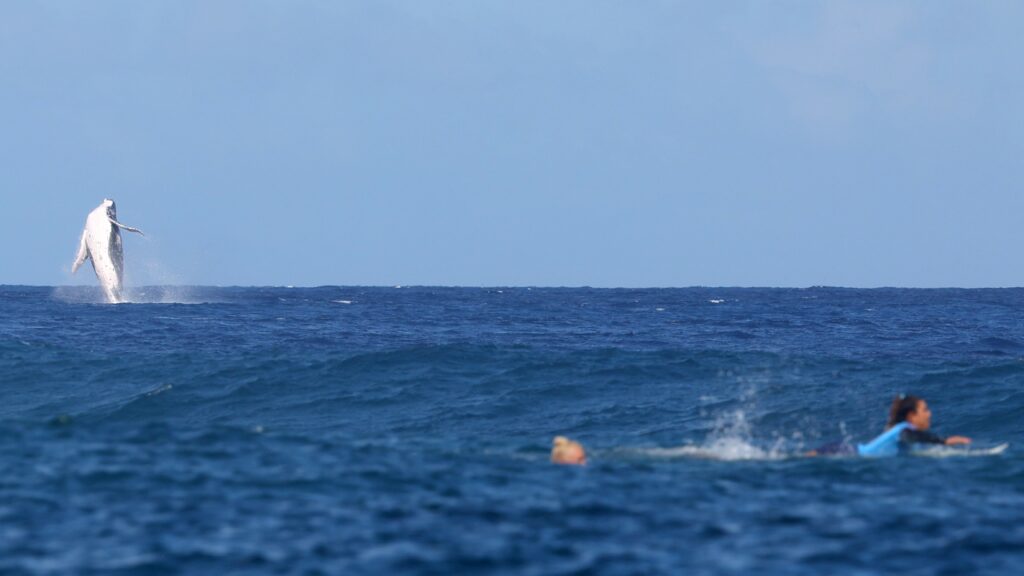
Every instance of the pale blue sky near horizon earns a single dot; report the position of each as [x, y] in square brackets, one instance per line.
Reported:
[527, 143]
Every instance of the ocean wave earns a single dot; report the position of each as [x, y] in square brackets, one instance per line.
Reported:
[481, 388]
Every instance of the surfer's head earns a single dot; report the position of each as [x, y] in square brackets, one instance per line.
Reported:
[565, 451]
[910, 409]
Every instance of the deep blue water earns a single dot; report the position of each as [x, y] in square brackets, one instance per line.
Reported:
[406, 430]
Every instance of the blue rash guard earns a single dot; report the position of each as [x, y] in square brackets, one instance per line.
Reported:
[887, 444]
[897, 439]
[903, 434]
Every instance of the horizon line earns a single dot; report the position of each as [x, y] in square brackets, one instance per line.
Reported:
[527, 286]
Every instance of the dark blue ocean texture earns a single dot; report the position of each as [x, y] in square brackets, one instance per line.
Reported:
[348, 430]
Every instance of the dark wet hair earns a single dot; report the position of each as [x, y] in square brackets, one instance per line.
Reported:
[902, 405]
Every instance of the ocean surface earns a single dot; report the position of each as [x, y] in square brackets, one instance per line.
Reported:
[351, 430]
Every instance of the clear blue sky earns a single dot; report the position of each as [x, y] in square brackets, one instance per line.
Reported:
[474, 142]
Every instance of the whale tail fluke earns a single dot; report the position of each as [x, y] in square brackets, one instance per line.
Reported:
[83, 254]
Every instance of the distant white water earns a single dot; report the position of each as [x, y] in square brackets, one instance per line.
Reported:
[131, 295]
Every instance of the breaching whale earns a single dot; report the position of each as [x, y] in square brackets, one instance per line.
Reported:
[101, 241]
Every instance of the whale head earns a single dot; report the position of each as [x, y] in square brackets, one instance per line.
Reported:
[111, 208]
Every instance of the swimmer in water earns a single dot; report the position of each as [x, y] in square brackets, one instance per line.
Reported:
[565, 451]
[909, 422]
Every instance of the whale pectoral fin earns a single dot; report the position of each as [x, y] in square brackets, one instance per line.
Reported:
[82, 256]
[128, 228]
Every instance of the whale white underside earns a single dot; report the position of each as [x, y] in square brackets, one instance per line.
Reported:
[101, 243]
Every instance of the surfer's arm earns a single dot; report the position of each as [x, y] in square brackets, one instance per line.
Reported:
[128, 228]
[925, 437]
[83, 254]
[911, 436]
[957, 440]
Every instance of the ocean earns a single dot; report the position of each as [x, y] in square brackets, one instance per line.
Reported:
[406, 430]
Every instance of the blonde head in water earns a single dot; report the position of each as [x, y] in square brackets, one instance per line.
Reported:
[565, 451]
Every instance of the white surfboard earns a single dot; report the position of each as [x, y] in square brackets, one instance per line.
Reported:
[957, 451]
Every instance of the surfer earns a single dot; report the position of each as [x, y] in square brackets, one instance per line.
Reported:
[913, 418]
[565, 451]
[909, 423]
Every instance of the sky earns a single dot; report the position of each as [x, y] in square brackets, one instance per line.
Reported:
[528, 143]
